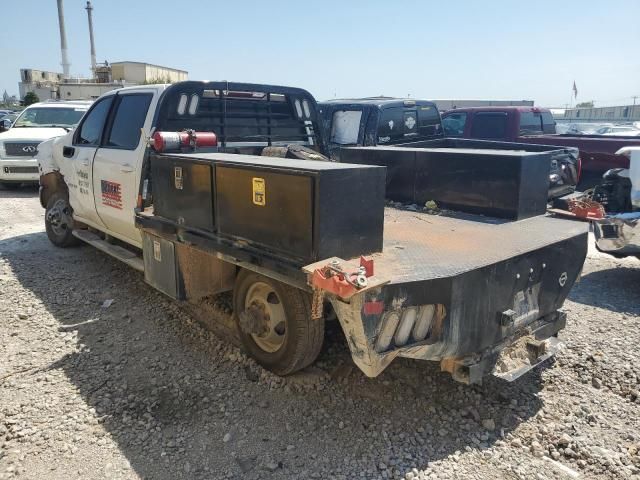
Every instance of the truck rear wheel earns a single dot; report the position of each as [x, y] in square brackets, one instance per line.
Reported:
[274, 323]
[58, 221]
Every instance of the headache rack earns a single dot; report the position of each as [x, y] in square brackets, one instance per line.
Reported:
[242, 114]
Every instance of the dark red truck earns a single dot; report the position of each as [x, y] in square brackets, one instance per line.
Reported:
[536, 125]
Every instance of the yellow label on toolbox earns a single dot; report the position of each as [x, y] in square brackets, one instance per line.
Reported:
[259, 194]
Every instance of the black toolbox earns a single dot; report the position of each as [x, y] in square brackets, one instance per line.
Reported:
[301, 209]
[511, 184]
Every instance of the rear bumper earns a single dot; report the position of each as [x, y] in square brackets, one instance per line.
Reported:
[510, 358]
[19, 170]
[618, 235]
[513, 357]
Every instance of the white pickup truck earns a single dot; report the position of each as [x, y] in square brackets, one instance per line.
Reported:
[287, 235]
[37, 122]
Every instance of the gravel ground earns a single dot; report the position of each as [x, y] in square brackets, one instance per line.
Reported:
[139, 389]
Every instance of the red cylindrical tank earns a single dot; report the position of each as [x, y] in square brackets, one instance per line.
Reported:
[167, 141]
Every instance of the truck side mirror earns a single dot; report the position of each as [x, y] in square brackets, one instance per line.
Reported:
[5, 125]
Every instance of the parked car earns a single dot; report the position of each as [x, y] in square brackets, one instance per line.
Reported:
[36, 123]
[6, 121]
[417, 123]
[576, 128]
[536, 125]
[617, 130]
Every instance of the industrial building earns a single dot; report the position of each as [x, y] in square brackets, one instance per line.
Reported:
[620, 114]
[137, 72]
[53, 85]
[42, 83]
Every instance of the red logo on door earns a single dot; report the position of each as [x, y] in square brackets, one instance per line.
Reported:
[111, 194]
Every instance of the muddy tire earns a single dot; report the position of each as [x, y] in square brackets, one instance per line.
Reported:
[58, 221]
[274, 323]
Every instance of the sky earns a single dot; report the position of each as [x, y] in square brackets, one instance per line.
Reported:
[491, 49]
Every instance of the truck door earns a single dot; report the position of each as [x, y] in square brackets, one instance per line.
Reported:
[116, 170]
[77, 166]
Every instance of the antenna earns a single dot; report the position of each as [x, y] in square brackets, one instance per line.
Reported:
[63, 41]
[89, 10]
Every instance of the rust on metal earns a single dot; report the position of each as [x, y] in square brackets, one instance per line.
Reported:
[202, 273]
[51, 183]
[317, 304]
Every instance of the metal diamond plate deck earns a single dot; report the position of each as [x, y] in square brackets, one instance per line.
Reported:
[419, 246]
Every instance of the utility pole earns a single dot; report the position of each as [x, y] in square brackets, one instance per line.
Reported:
[634, 99]
[63, 42]
[89, 10]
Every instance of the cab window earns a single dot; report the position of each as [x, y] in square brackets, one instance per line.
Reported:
[345, 127]
[428, 121]
[131, 112]
[489, 125]
[454, 123]
[530, 123]
[90, 129]
[548, 123]
[391, 125]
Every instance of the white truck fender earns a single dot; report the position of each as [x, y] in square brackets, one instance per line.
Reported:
[50, 153]
[46, 162]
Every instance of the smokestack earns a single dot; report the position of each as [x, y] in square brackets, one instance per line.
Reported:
[89, 9]
[63, 41]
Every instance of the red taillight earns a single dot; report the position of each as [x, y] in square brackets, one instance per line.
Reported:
[168, 141]
[375, 307]
[579, 167]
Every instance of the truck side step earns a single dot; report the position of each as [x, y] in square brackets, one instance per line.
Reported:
[116, 251]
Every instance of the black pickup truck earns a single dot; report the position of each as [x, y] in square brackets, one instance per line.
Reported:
[414, 123]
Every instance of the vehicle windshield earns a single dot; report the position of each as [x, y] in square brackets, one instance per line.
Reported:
[49, 117]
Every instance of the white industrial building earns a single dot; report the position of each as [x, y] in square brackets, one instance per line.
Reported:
[619, 114]
[53, 85]
[138, 72]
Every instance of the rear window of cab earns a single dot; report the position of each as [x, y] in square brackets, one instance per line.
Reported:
[399, 123]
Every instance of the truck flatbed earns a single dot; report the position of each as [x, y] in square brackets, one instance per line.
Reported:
[419, 246]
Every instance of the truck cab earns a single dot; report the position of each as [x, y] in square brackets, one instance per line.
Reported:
[100, 160]
[37, 122]
[498, 123]
[378, 121]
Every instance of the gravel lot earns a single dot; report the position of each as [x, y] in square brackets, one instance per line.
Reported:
[139, 389]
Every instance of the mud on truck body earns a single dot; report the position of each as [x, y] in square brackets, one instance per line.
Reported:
[260, 212]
